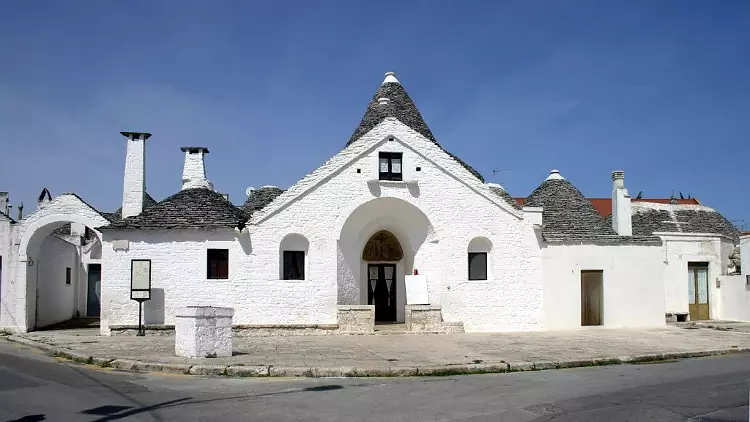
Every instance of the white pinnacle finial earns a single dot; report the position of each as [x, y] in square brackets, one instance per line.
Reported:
[555, 175]
[390, 77]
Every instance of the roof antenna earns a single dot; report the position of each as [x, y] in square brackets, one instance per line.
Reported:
[640, 195]
[495, 173]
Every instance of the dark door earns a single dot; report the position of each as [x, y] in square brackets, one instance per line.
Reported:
[591, 297]
[382, 291]
[94, 290]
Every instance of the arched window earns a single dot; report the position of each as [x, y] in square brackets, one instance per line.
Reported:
[479, 250]
[293, 257]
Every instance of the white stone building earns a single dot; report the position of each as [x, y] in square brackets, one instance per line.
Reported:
[337, 249]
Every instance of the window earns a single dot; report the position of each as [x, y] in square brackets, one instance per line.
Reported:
[390, 166]
[477, 265]
[218, 264]
[292, 255]
[478, 251]
[67, 276]
[294, 265]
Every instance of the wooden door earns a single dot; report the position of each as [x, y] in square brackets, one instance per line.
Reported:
[698, 292]
[382, 291]
[592, 297]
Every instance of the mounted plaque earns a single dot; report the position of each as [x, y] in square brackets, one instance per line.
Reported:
[140, 279]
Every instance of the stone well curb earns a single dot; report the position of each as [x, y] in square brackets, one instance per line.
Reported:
[315, 372]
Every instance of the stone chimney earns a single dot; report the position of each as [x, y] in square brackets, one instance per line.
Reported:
[134, 185]
[194, 171]
[622, 220]
[4, 203]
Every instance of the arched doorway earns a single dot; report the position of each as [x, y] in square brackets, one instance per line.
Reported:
[383, 252]
[59, 258]
[395, 237]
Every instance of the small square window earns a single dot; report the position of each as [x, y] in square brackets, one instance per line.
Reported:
[217, 264]
[419, 168]
[294, 265]
[359, 170]
[477, 265]
[390, 166]
[67, 276]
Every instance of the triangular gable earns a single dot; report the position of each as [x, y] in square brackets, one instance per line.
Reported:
[84, 203]
[364, 145]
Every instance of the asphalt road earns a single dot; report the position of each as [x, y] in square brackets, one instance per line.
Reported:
[35, 387]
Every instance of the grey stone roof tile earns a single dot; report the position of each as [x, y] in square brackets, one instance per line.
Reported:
[567, 216]
[259, 199]
[148, 201]
[651, 218]
[197, 208]
[403, 108]
[497, 190]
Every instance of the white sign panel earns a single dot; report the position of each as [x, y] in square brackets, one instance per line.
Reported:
[140, 274]
[416, 290]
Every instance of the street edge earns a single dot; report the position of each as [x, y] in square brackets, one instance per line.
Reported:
[314, 372]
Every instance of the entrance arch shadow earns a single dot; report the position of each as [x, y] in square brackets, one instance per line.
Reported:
[405, 222]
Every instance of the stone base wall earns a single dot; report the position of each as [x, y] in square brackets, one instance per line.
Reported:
[150, 330]
[429, 318]
[356, 318]
[274, 330]
[266, 330]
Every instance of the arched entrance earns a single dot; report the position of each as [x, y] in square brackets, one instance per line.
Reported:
[58, 249]
[382, 252]
[381, 240]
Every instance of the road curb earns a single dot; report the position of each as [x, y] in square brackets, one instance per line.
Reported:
[131, 365]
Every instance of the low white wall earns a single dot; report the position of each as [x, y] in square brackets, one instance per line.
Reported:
[733, 298]
[56, 300]
[680, 250]
[632, 283]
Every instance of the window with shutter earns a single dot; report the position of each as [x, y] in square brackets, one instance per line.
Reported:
[390, 166]
[217, 264]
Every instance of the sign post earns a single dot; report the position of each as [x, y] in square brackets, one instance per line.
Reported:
[140, 287]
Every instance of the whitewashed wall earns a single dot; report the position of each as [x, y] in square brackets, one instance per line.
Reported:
[680, 249]
[745, 254]
[733, 295]
[178, 273]
[18, 296]
[56, 301]
[7, 283]
[632, 282]
[447, 214]
[435, 218]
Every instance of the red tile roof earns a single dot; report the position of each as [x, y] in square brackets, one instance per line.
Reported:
[604, 205]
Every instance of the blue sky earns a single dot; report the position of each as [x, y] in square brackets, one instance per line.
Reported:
[273, 89]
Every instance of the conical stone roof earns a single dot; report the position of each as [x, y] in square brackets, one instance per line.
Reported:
[400, 106]
[195, 208]
[568, 216]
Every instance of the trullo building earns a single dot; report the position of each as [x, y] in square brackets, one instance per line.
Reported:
[339, 250]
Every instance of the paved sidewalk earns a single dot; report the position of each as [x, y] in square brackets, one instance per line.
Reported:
[397, 355]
